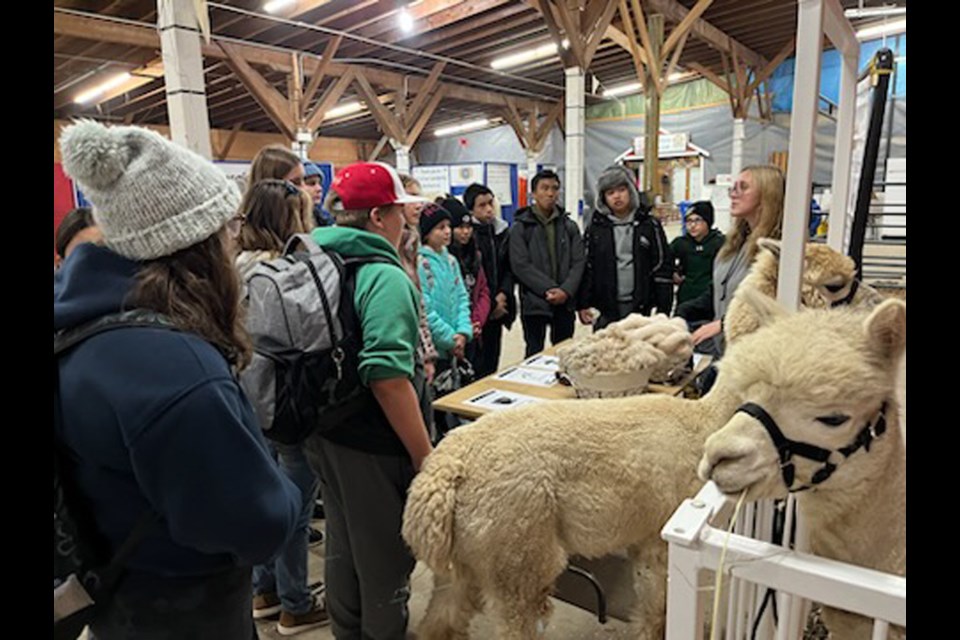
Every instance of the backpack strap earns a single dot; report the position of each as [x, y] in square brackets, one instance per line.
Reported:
[106, 578]
[295, 241]
[69, 338]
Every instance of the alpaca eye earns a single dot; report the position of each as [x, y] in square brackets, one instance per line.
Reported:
[833, 420]
[834, 288]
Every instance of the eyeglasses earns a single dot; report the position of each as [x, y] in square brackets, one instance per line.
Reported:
[693, 220]
[234, 225]
[739, 187]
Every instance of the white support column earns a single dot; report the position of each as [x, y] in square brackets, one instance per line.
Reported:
[403, 157]
[803, 122]
[739, 134]
[301, 146]
[183, 75]
[843, 151]
[531, 166]
[575, 122]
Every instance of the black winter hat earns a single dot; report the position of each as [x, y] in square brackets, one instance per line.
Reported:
[704, 209]
[430, 216]
[459, 214]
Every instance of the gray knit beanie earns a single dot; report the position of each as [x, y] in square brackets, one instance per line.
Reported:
[151, 197]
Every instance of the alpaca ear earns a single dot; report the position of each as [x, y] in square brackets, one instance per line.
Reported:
[886, 329]
[771, 245]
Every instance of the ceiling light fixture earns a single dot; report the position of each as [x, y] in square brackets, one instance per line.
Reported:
[875, 12]
[537, 53]
[345, 109]
[275, 6]
[405, 20]
[102, 88]
[462, 128]
[636, 87]
[623, 89]
[882, 29]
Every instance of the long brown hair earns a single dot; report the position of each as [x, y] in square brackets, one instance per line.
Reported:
[273, 161]
[198, 289]
[273, 211]
[771, 184]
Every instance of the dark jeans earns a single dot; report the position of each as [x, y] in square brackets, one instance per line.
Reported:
[488, 353]
[535, 329]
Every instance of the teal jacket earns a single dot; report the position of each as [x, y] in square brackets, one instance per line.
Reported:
[386, 302]
[445, 298]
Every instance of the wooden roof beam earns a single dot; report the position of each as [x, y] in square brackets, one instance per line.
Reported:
[676, 12]
[428, 111]
[771, 66]
[94, 29]
[276, 106]
[641, 24]
[547, 125]
[550, 19]
[512, 116]
[683, 29]
[423, 93]
[599, 28]
[320, 71]
[388, 121]
[570, 26]
[327, 100]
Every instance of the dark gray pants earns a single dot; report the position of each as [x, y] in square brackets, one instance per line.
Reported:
[368, 566]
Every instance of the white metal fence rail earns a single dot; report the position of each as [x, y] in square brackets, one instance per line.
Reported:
[751, 566]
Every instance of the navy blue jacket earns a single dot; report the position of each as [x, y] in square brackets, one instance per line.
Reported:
[158, 421]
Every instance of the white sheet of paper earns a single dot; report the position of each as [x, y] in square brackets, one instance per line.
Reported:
[529, 375]
[495, 399]
[541, 361]
[697, 357]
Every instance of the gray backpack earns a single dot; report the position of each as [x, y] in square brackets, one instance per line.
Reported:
[306, 338]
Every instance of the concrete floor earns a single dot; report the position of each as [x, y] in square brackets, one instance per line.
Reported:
[567, 623]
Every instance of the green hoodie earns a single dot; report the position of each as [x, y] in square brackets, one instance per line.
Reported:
[386, 302]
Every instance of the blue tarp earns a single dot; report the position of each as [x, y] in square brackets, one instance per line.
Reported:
[781, 81]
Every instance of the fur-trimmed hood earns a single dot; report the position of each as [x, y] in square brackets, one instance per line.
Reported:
[615, 176]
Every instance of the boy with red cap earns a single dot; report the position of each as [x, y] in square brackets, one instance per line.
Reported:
[366, 463]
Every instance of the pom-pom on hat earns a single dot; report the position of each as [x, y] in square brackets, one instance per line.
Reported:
[151, 197]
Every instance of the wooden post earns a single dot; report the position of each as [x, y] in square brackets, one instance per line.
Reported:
[651, 151]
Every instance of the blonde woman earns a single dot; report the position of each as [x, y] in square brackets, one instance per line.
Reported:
[756, 206]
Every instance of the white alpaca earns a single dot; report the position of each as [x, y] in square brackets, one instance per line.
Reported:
[502, 504]
[835, 390]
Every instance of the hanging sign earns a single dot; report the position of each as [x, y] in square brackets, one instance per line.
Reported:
[498, 180]
[462, 175]
[434, 180]
[668, 143]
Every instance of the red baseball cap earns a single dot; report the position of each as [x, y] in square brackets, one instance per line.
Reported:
[364, 185]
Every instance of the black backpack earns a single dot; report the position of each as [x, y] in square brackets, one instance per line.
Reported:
[85, 574]
[306, 339]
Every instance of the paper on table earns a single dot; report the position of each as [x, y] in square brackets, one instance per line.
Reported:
[525, 375]
[697, 357]
[495, 399]
[541, 361]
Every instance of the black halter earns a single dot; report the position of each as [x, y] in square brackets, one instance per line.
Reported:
[849, 297]
[787, 448]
